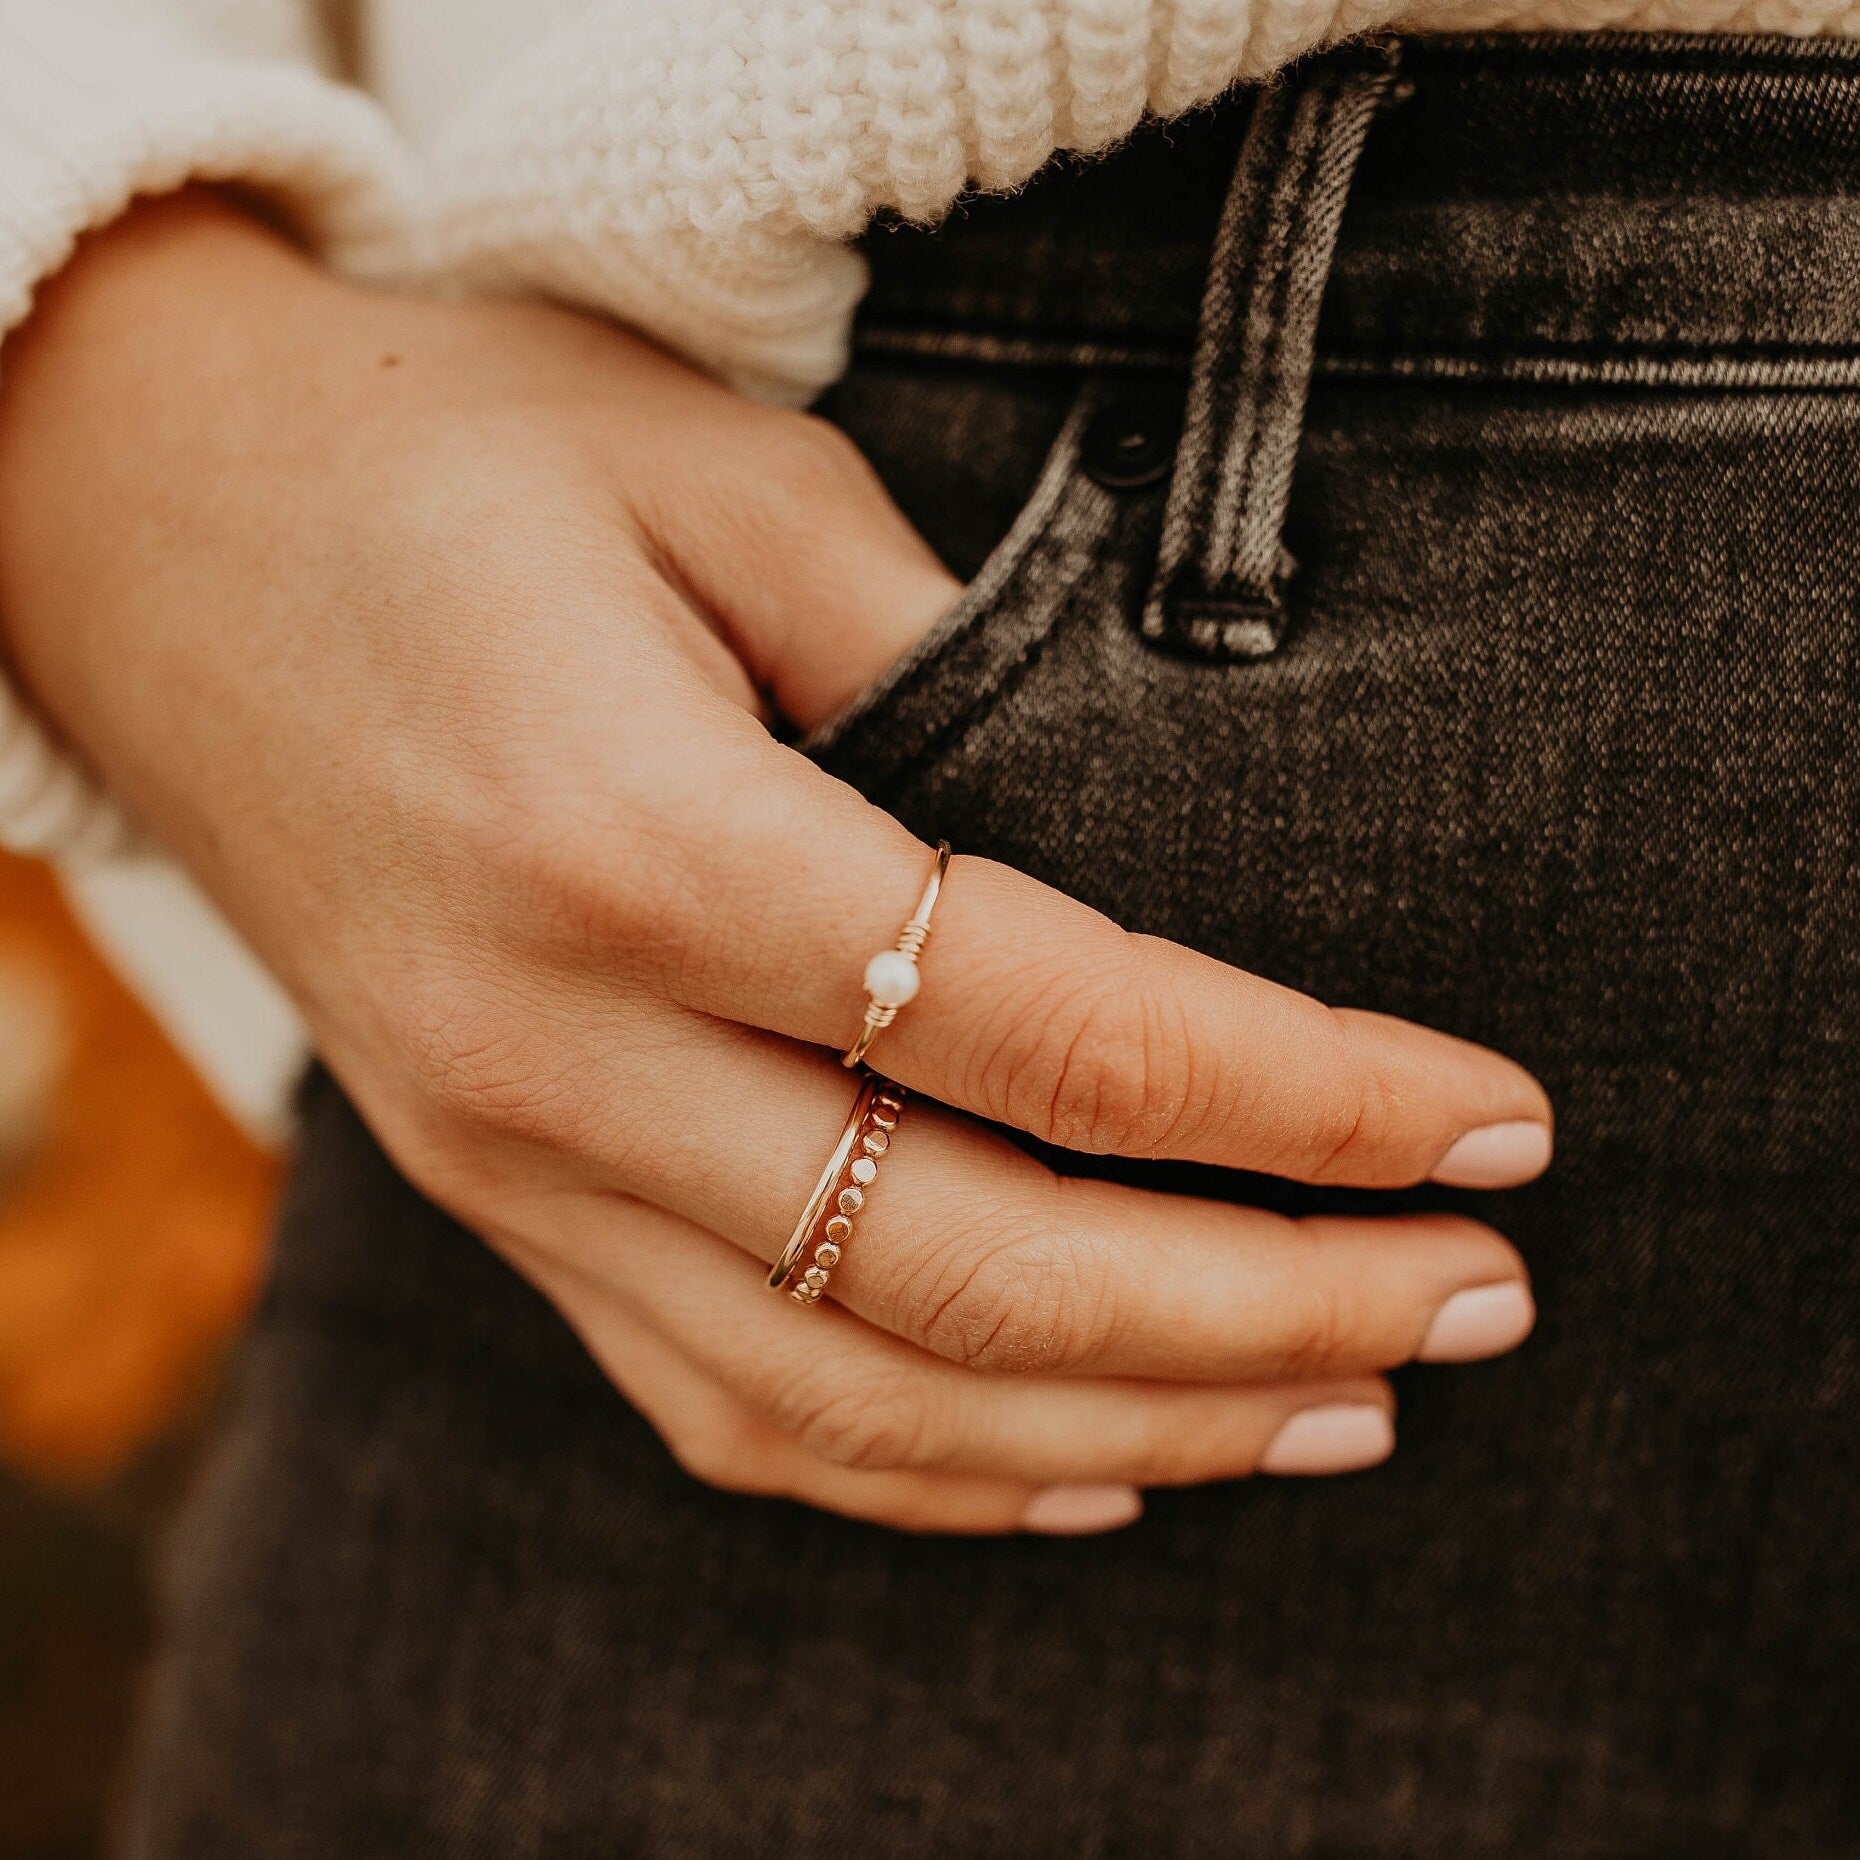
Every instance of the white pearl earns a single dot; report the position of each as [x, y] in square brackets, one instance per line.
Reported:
[891, 979]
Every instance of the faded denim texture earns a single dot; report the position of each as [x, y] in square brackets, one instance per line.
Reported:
[1538, 725]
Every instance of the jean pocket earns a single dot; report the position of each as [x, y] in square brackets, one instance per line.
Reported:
[915, 709]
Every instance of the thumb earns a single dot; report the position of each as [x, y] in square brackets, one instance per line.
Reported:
[783, 535]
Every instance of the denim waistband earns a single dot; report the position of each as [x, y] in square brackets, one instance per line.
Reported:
[1625, 206]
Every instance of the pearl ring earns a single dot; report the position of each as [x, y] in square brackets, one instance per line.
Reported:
[891, 977]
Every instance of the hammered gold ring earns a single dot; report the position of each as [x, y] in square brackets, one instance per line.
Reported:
[826, 1224]
[891, 977]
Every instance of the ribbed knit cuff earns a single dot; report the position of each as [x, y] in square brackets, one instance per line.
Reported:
[695, 167]
[101, 102]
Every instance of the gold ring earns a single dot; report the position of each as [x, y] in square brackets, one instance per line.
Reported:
[813, 1249]
[891, 978]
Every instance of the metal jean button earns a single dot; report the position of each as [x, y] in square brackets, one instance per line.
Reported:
[1131, 442]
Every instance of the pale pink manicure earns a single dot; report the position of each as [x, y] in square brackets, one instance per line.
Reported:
[1341, 1437]
[1496, 1156]
[1486, 1321]
[1075, 1510]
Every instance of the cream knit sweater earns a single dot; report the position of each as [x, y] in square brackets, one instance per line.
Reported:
[691, 167]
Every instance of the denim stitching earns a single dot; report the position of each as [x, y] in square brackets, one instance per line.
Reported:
[1200, 595]
[1577, 363]
[950, 735]
[1271, 357]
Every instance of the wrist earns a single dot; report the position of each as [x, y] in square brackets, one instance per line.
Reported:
[107, 393]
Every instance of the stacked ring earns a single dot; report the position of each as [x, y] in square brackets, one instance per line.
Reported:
[891, 978]
[813, 1250]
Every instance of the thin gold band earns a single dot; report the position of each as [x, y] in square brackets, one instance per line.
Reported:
[849, 1173]
[823, 1189]
[910, 944]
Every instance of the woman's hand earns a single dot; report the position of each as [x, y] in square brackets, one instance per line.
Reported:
[438, 641]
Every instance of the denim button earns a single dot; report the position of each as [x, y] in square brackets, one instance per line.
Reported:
[1131, 443]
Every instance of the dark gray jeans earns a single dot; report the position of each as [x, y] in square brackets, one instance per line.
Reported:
[1483, 650]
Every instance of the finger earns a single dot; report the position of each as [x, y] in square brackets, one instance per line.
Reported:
[720, 1440]
[761, 899]
[856, 1397]
[969, 1247]
[785, 536]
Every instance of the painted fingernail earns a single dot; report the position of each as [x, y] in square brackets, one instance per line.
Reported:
[1075, 1510]
[1486, 1321]
[1496, 1156]
[1343, 1437]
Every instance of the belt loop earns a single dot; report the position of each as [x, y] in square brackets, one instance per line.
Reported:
[1220, 577]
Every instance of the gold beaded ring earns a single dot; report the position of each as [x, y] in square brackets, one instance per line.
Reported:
[891, 978]
[849, 1174]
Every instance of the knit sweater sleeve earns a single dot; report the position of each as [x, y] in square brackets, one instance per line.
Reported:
[104, 100]
[694, 167]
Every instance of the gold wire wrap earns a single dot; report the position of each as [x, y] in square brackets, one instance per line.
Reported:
[910, 945]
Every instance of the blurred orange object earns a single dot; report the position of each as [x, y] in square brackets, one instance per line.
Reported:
[132, 1211]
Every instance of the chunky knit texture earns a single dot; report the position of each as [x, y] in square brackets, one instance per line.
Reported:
[693, 167]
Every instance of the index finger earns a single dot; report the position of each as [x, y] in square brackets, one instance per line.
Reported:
[1038, 1012]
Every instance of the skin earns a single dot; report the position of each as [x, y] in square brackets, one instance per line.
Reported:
[440, 643]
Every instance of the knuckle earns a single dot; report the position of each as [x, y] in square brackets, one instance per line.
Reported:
[724, 1453]
[483, 1070]
[867, 1424]
[1309, 1334]
[1023, 1305]
[592, 876]
[1189, 1456]
[629, 892]
[812, 459]
[1355, 1117]
[1110, 1069]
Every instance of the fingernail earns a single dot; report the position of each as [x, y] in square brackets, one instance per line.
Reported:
[1486, 1321]
[1343, 1437]
[1496, 1156]
[1074, 1510]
